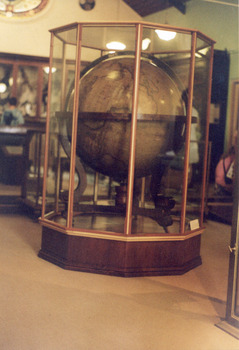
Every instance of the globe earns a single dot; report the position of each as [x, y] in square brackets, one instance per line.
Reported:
[105, 112]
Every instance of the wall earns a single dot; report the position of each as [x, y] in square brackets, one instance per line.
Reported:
[31, 36]
[220, 22]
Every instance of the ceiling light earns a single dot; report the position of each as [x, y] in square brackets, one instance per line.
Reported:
[165, 34]
[9, 14]
[10, 81]
[47, 70]
[145, 43]
[115, 45]
[203, 51]
[3, 88]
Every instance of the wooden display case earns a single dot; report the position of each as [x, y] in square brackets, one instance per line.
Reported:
[132, 124]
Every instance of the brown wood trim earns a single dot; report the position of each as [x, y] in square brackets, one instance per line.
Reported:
[8, 57]
[118, 236]
[126, 259]
[188, 131]
[206, 136]
[135, 97]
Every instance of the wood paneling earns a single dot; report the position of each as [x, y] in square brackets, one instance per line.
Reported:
[126, 259]
[145, 8]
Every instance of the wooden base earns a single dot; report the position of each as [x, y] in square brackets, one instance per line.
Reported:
[120, 258]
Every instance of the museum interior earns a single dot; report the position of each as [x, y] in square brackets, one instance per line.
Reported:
[116, 232]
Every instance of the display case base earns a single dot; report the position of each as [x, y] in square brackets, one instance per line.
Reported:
[117, 257]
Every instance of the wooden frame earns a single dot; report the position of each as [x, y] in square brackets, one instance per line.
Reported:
[234, 113]
[111, 250]
[29, 61]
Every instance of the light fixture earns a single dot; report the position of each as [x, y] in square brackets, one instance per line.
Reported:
[165, 34]
[115, 45]
[87, 5]
[10, 81]
[9, 14]
[202, 52]
[3, 88]
[145, 43]
[47, 70]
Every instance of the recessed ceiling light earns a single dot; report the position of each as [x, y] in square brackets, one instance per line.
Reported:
[165, 34]
[115, 45]
[145, 43]
[47, 70]
[3, 88]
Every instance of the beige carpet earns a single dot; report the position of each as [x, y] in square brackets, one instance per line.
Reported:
[43, 307]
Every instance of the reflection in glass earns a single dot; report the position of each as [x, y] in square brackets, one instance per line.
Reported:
[5, 84]
[27, 82]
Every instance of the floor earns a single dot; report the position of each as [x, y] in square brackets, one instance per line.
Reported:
[43, 307]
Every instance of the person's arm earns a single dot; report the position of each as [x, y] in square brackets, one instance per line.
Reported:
[219, 174]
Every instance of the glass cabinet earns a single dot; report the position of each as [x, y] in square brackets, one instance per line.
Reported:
[26, 78]
[126, 148]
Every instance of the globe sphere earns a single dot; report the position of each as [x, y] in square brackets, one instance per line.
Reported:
[105, 112]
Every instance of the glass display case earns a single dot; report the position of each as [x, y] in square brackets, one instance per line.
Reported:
[126, 148]
[26, 78]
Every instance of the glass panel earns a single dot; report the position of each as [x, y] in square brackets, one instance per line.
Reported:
[103, 135]
[6, 81]
[60, 128]
[161, 132]
[99, 38]
[27, 80]
[198, 134]
[67, 35]
[44, 91]
[104, 129]
[35, 172]
[181, 43]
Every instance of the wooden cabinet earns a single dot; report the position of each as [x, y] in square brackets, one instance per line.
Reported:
[26, 78]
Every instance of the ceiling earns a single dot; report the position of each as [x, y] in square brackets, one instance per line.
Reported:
[148, 7]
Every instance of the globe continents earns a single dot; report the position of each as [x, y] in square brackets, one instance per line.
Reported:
[105, 109]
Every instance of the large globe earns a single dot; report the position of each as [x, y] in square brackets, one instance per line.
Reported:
[105, 108]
